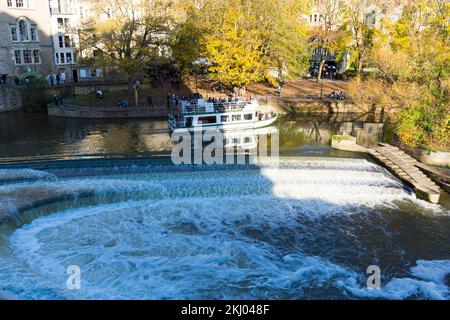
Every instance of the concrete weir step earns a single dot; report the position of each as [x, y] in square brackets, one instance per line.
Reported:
[404, 166]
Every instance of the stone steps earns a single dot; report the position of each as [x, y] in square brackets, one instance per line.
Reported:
[404, 166]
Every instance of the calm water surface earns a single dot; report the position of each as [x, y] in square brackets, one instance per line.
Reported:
[25, 136]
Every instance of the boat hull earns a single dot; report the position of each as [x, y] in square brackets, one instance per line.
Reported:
[227, 126]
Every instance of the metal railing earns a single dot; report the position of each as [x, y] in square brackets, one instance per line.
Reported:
[217, 107]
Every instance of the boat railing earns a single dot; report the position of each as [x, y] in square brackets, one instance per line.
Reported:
[213, 107]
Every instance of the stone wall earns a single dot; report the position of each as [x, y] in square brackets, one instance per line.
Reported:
[316, 106]
[10, 98]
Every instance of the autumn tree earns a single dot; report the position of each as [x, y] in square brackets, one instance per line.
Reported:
[244, 39]
[412, 61]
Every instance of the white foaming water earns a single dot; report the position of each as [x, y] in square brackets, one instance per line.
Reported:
[22, 174]
[223, 234]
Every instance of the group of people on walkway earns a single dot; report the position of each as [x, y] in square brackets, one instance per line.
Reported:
[337, 95]
[56, 79]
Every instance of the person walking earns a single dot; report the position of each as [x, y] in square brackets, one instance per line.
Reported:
[279, 89]
[150, 102]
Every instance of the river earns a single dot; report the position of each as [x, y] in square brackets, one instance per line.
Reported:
[104, 197]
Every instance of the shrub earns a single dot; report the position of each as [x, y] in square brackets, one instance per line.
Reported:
[35, 96]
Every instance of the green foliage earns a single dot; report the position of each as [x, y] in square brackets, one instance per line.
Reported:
[35, 96]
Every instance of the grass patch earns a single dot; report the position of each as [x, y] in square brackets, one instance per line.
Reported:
[90, 99]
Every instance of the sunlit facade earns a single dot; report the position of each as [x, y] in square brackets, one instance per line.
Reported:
[25, 37]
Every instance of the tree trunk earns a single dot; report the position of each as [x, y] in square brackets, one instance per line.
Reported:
[319, 75]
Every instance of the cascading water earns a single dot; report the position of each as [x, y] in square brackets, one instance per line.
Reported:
[307, 228]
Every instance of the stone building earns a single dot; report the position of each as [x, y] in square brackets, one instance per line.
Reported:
[64, 21]
[25, 37]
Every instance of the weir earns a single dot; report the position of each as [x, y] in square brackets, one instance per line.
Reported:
[164, 231]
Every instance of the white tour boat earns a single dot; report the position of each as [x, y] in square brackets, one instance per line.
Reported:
[199, 115]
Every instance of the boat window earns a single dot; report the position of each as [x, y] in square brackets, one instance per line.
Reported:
[206, 120]
[248, 116]
[188, 121]
[224, 119]
[236, 117]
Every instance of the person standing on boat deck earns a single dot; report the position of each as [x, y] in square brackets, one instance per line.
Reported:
[279, 90]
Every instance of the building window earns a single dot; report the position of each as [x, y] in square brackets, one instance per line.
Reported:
[27, 57]
[57, 58]
[18, 3]
[69, 57]
[61, 41]
[62, 58]
[33, 33]
[67, 41]
[63, 23]
[36, 57]
[23, 30]
[18, 56]
[14, 34]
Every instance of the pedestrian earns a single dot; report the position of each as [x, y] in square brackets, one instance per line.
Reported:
[52, 81]
[150, 102]
[279, 88]
[58, 79]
